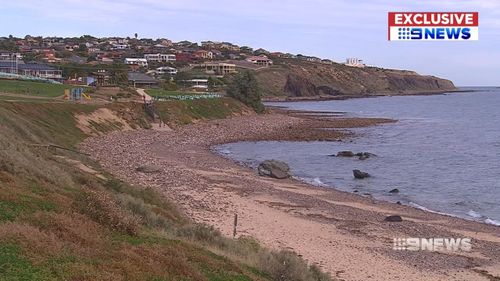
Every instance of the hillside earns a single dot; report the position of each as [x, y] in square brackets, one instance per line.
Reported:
[63, 218]
[299, 79]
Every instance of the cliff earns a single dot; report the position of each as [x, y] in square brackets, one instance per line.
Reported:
[297, 79]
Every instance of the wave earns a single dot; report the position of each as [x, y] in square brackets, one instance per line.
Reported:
[472, 214]
[312, 181]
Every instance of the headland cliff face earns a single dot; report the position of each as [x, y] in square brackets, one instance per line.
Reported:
[292, 79]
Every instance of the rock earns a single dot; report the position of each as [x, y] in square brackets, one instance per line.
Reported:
[394, 219]
[148, 169]
[365, 155]
[360, 175]
[399, 203]
[345, 154]
[395, 190]
[274, 169]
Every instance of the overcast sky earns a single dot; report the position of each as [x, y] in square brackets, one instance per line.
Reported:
[334, 29]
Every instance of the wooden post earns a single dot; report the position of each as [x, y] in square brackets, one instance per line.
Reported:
[235, 224]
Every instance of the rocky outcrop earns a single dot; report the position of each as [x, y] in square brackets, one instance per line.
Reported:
[299, 79]
[274, 169]
[360, 175]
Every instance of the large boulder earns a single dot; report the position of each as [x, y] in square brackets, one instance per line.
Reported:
[274, 169]
[394, 218]
[345, 154]
[360, 175]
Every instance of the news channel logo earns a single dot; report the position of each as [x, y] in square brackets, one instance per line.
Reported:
[432, 244]
[426, 26]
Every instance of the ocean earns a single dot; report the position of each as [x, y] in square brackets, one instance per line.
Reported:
[443, 154]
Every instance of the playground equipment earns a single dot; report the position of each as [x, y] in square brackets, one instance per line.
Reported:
[76, 94]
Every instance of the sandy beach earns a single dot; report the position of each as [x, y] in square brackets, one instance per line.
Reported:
[344, 233]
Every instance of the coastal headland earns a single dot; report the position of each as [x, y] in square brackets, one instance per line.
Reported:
[344, 233]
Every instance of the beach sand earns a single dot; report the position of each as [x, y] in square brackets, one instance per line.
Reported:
[344, 233]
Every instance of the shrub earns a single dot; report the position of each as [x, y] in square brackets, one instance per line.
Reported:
[244, 87]
[142, 210]
[103, 209]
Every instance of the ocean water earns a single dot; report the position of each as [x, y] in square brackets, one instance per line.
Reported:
[443, 154]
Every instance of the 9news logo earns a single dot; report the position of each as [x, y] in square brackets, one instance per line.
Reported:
[414, 26]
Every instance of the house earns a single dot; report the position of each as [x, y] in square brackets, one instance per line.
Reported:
[219, 68]
[198, 84]
[137, 62]
[327, 61]
[260, 60]
[166, 70]
[160, 58]
[31, 69]
[203, 54]
[120, 47]
[355, 62]
[100, 77]
[49, 56]
[7, 55]
[140, 80]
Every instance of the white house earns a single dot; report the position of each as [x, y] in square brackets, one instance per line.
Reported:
[160, 57]
[135, 61]
[355, 62]
[166, 70]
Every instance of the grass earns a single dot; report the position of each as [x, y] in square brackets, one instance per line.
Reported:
[38, 89]
[184, 112]
[59, 223]
[165, 93]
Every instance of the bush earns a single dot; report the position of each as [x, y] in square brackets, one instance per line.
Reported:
[103, 209]
[287, 266]
[244, 87]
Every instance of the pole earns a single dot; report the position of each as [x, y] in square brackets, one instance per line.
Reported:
[235, 224]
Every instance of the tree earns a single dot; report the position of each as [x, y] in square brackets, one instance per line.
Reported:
[245, 88]
[136, 35]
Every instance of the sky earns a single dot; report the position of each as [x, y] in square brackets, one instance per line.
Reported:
[334, 29]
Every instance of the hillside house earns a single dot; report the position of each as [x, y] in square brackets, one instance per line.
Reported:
[136, 61]
[203, 54]
[260, 60]
[160, 58]
[219, 68]
[141, 80]
[166, 70]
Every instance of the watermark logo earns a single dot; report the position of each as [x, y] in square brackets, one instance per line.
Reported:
[433, 244]
[425, 26]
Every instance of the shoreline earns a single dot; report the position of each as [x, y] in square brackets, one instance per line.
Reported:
[342, 232]
[360, 96]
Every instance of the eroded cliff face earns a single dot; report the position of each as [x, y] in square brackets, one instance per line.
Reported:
[304, 79]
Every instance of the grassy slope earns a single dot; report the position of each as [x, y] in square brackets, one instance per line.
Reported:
[59, 223]
[32, 88]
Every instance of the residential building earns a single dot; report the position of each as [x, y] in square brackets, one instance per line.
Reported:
[31, 69]
[160, 58]
[166, 70]
[203, 54]
[355, 62]
[260, 60]
[198, 84]
[7, 55]
[121, 47]
[136, 61]
[139, 80]
[219, 68]
[100, 77]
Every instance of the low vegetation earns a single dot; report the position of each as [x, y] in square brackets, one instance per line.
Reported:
[60, 222]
